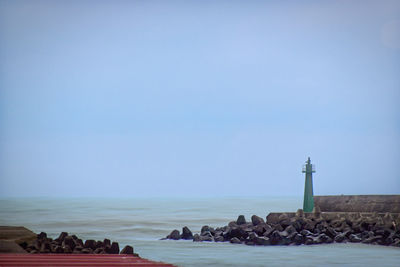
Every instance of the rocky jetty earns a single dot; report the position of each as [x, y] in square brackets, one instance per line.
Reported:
[66, 243]
[298, 230]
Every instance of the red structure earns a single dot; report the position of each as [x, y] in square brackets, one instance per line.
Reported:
[75, 260]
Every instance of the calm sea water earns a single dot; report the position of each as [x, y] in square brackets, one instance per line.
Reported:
[141, 222]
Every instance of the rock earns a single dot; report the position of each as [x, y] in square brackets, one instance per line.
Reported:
[316, 211]
[232, 224]
[252, 236]
[207, 228]
[396, 243]
[262, 241]
[255, 220]
[298, 239]
[235, 240]
[260, 228]
[86, 251]
[298, 223]
[238, 232]
[114, 249]
[268, 230]
[42, 235]
[61, 237]
[284, 220]
[106, 242]
[174, 235]
[69, 241]
[196, 238]
[300, 213]
[45, 248]
[186, 233]
[127, 250]
[207, 234]
[354, 238]
[78, 242]
[90, 243]
[241, 220]
[330, 232]
[218, 233]
[99, 244]
[305, 232]
[219, 239]
[99, 251]
[275, 238]
[290, 229]
[323, 238]
[67, 249]
[309, 240]
[340, 238]
[59, 249]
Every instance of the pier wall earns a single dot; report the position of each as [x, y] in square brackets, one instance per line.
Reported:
[358, 203]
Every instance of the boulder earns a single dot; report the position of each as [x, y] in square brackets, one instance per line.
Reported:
[69, 241]
[127, 250]
[90, 243]
[196, 238]
[59, 249]
[219, 239]
[114, 249]
[340, 238]
[275, 238]
[300, 213]
[86, 251]
[174, 235]
[290, 229]
[268, 230]
[45, 248]
[67, 249]
[235, 240]
[42, 235]
[106, 242]
[205, 228]
[262, 241]
[78, 242]
[232, 224]
[99, 251]
[61, 237]
[186, 233]
[354, 238]
[329, 231]
[298, 239]
[255, 220]
[99, 244]
[241, 220]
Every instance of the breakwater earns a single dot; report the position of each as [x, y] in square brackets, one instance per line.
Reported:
[22, 240]
[302, 228]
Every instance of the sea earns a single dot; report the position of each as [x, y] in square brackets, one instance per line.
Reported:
[141, 222]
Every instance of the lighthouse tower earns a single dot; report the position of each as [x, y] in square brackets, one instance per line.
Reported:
[308, 203]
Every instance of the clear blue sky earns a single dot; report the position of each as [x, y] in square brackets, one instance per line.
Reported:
[199, 98]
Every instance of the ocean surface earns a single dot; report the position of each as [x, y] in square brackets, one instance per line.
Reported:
[141, 222]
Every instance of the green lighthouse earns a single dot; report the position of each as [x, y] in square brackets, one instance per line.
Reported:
[308, 203]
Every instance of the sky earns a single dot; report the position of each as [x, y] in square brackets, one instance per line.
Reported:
[199, 98]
